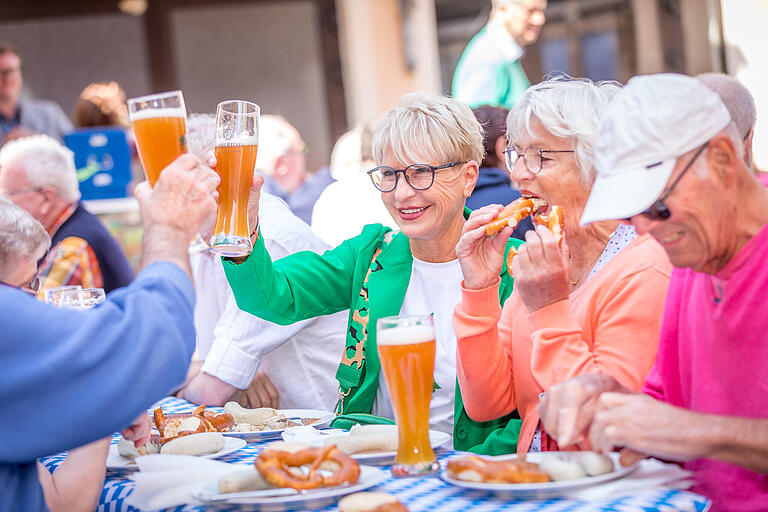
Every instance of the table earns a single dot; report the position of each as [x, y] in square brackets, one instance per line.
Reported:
[418, 494]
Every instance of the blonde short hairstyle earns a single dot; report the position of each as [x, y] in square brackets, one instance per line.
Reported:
[566, 107]
[21, 237]
[45, 162]
[429, 129]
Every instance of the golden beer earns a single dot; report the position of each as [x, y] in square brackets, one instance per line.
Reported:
[407, 355]
[159, 123]
[235, 165]
[237, 142]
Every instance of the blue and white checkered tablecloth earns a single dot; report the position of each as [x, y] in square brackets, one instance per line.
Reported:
[418, 494]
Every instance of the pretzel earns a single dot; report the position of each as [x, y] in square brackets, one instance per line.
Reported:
[552, 221]
[511, 215]
[176, 425]
[513, 471]
[275, 466]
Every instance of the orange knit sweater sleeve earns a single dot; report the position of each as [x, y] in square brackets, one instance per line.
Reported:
[483, 364]
[624, 318]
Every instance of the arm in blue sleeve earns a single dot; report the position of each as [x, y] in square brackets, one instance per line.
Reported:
[70, 377]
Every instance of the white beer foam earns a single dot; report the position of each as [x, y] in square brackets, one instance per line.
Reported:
[406, 335]
[237, 141]
[151, 113]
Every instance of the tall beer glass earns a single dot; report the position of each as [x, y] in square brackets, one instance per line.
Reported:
[159, 123]
[237, 142]
[407, 353]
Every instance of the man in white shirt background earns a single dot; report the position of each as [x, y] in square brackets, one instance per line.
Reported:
[242, 357]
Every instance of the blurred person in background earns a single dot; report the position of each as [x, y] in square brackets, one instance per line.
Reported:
[242, 357]
[77, 482]
[38, 174]
[352, 191]
[741, 105]
[101, 104]
[493, 184]
[76, 376]
[20, 117]
[489, 71]
[282, 158]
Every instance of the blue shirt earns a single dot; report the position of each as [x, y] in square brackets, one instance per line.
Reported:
[71, 377]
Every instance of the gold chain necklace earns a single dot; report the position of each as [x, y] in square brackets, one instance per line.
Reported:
[586, 270]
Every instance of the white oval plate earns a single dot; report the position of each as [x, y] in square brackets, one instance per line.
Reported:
[324, 418]
[436, 439]
[272, 500]
[544, 489]
[117, 462]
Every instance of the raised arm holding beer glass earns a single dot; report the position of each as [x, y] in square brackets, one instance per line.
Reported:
[407, 355]
[159, 123]
[237, 138]
[427, 151]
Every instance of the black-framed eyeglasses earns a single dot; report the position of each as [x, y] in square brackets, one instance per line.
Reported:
[659, 210]
[533, 157]
[418, 176]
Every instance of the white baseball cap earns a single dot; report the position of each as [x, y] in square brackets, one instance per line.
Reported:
[651, 122]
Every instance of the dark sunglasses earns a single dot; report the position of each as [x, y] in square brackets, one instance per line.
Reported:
[659, 210]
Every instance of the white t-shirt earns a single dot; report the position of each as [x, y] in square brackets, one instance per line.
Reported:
[433, 288]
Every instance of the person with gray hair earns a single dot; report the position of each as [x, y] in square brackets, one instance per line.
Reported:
[590, 303]
[670, 162]
[23, 242]
[38, 174]
[740, 104]
[426, 151]
[489, 71]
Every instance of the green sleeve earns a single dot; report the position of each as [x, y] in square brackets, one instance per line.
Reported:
[304, 284]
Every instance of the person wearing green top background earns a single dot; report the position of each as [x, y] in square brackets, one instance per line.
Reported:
[427, 150]
[489, 71]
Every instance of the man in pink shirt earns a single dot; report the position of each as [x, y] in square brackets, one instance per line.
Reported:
[705, 402]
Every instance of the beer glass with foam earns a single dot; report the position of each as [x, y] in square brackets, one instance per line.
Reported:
[159, 123]
[406, 347]
[237, 142]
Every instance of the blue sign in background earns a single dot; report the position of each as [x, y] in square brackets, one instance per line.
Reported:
[103, 162]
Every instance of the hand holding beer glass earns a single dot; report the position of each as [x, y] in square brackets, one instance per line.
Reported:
[407, 353]
[159, 123]
[237, 139]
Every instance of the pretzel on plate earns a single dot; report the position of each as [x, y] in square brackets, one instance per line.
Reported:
[276, 467]
[176, 425]
[478, 469]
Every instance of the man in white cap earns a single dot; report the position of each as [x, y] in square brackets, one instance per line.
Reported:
[670, 160]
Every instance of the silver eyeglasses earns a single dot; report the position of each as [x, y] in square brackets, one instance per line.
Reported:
[533, 156]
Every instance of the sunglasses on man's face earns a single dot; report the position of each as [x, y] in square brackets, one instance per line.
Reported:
[659, 210]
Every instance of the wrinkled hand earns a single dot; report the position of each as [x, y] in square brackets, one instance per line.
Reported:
[645, 425]
[139, 431]
[541, 269]
[261, 393]
[567, 408]
[183, 197]
[253, 197]
[481, 257]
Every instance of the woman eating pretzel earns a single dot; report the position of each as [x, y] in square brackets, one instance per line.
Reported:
[426, 152]
[590, 302]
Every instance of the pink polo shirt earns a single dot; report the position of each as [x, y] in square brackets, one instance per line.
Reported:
[712, 358]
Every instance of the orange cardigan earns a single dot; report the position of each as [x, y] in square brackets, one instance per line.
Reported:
[608, 325]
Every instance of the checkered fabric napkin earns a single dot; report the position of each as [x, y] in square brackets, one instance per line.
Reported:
[418, 494]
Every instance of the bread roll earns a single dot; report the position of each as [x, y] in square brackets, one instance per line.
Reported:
[371, 502]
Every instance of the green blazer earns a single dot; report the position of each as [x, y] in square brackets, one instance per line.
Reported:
[305, 285]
